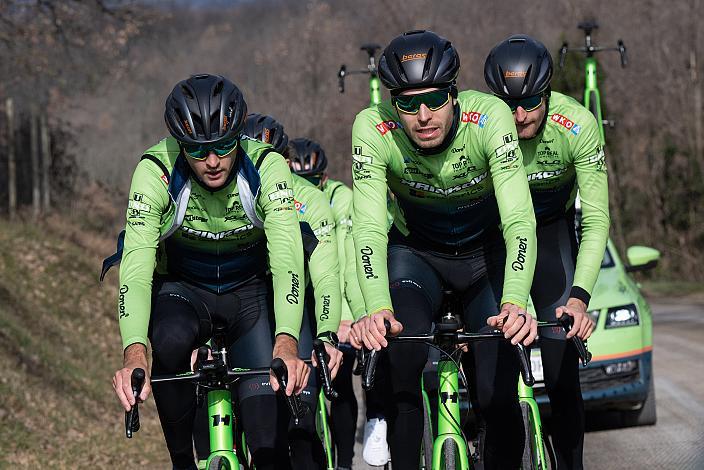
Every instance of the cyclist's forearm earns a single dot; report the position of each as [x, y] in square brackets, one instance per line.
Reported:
[353, 293]
[325, 277]
[592, 180]
[284, 245]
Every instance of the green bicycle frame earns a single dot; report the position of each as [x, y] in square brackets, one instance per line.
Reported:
[449, 416]
[592, 97]
[324, 430]
[374, 90]
[525, 395]
[221, 423]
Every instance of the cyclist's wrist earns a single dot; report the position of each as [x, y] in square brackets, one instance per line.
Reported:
[381, 311]
[135, 355]
[329, 337]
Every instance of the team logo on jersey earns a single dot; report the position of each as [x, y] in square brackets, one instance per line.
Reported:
[216, 235]
[386, 126]
[299, 206]
[282, 192]
[136, 206]
[428, 188]
[599, 159]
[324, 229]
[541, 175]
[571, 126]
[359, 162]
[507, 149]
[475, 118]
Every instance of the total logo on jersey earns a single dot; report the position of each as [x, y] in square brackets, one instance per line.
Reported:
[475, 118]
[566, 123]
[386, 126]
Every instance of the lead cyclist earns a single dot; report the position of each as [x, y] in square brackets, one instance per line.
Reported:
[209, 213]
[463, 218]
[562, 153]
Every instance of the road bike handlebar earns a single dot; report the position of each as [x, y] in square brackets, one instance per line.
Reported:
[295, 405]
[444, 335]
[213, 373]
[370, 49]
[566, 321]
[322, 358]
[448, 336]
[589, 49]
[132, 416]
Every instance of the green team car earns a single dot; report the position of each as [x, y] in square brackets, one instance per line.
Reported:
[620, 375]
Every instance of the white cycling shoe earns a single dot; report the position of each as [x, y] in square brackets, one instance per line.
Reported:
[376, 450]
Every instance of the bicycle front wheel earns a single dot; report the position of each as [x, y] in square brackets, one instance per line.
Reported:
[449, 455]
[529, 461]
[220, 463]
[426, 458]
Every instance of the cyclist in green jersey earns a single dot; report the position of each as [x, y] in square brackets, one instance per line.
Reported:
[562, 153]
[463, 220]
[321, 316]
[209, 213]
[308, 159]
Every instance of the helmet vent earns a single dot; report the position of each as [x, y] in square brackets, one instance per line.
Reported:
[428, 63]
[526, 80]
[218, 88]
[399, 65]
[187, 92]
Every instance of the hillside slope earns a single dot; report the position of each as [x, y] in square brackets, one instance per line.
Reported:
[59, 345]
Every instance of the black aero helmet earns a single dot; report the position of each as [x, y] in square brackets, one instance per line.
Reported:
[205, 109]
[518, 67]
[306, 157]
[267, 129]
[418, 59]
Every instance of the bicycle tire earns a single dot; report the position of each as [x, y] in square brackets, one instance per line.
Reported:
[528, 461]
[426, 458]
[449, 454]
[219, 463]
[549, 451]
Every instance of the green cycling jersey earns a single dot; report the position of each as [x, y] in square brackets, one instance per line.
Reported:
[320, 245]
[340, 197]
[565, 157]
[217, 240]
[463, 194]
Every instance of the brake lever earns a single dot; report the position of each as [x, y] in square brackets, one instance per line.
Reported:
[295, 405]
[584, 355]
[132, 416]
[322, 357]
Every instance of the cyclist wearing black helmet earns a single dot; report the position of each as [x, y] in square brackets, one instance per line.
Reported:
[308, 160]
[562, 154]
[321, 315]
[463, 219]
[209, 213]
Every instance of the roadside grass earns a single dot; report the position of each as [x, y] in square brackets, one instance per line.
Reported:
[59, 346]
[685, 290]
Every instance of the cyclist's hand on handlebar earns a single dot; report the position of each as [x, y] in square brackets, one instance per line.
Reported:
[286, 348]
[334, 361]
[135, 356]
[583, 324]
[515, 323]
[370, 330]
